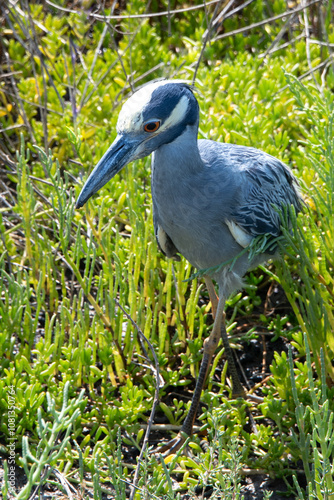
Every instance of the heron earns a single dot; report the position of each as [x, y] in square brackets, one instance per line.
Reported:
[210, 201]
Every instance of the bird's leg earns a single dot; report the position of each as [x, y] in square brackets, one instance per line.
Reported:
[237, 390]
[210, 345]
[212, 294]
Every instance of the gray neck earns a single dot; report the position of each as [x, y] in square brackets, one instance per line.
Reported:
[181, 156]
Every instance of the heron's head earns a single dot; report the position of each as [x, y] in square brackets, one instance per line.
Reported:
[156, 114]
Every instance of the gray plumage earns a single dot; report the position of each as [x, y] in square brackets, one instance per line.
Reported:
[209, 199]
[204, 193]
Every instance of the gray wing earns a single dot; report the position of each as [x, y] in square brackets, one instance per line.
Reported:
[267, 185]
[253, 184]
[165, 243]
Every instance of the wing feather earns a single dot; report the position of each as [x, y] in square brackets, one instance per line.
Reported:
[268, 187]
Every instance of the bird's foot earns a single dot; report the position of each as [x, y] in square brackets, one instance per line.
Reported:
[248, 396]
[254, 398]
[173, 446]
[239, 393]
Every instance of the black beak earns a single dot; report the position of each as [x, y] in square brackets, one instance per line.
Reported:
[121, 152]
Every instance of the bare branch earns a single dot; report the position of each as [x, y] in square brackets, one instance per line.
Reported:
[134, 16]
[207, 34]
[279, 36]
[265, 21]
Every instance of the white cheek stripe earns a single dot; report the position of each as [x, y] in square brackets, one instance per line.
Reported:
[177, 115]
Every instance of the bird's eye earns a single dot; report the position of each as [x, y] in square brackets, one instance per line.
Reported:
[152, 126]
